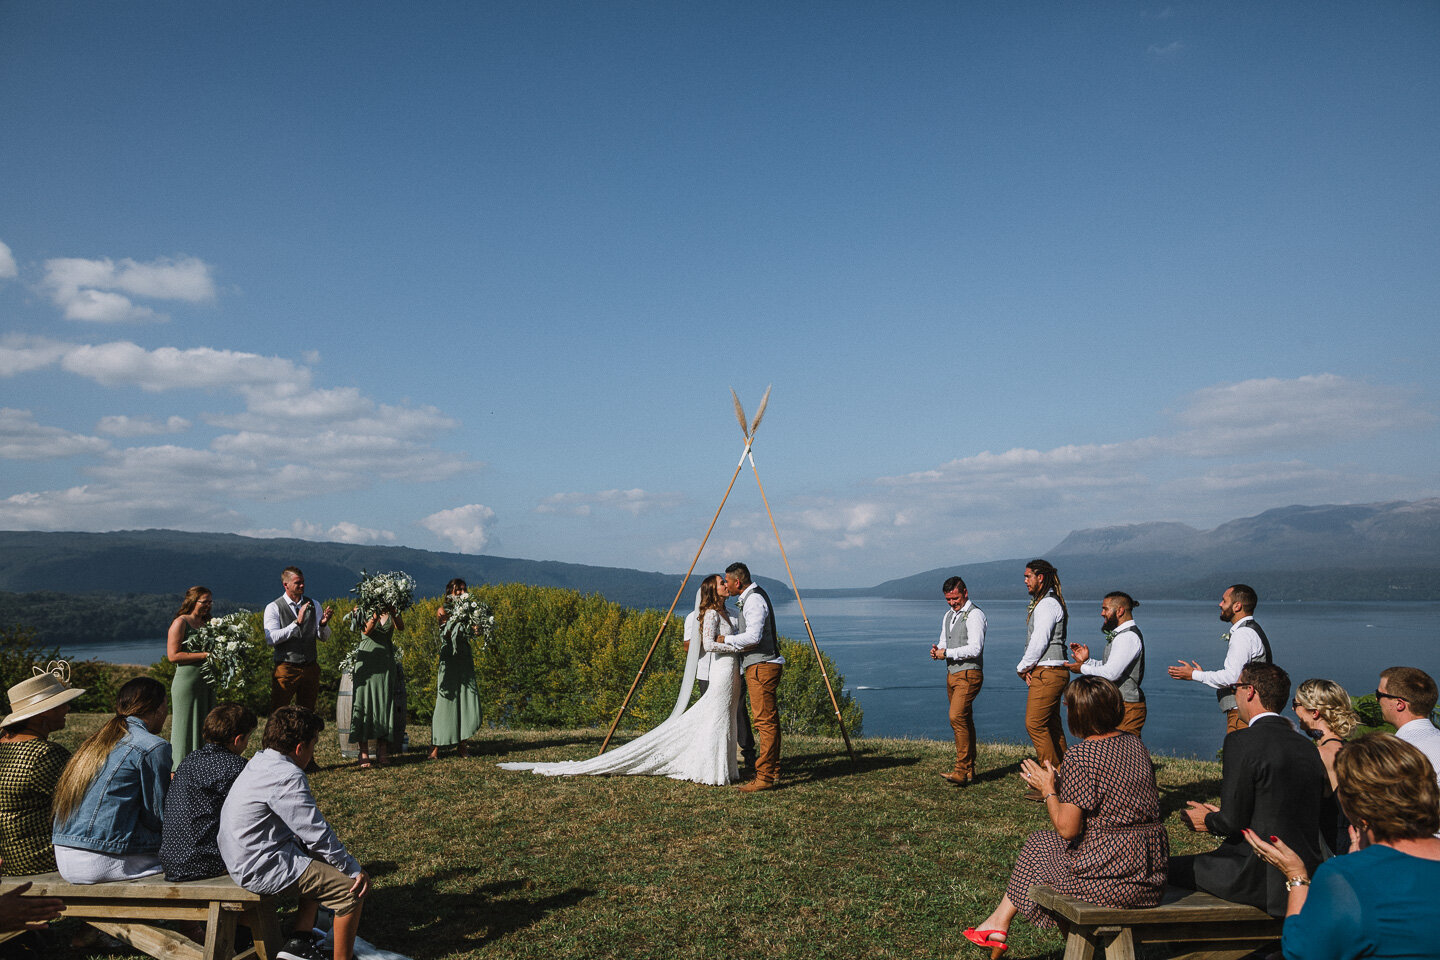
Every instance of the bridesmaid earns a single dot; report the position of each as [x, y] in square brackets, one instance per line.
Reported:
[192, 697]
[376, 682]
[457, 699]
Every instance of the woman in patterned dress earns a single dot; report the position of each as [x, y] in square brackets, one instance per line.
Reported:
[1108, 846]
[457, 698]
[192, 696]
[376, 683]
[30, 766]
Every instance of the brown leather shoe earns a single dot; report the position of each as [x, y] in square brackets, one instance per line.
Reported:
[955, 779]
[755, 785]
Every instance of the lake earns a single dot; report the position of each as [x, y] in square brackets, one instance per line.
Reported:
[881, 647]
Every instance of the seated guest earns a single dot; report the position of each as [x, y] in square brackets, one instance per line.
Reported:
[188, 849]
[1272, 782]
[1373, 902]
[1324, 711]
[1108, 846]
[1407, 698]
[30, 766]
[274, 839]
[110, 798]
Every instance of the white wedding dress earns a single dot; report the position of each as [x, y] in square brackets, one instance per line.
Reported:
[697, 745]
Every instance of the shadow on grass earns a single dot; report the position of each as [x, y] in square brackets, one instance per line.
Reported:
[999, 773]
[812, 767]
[1175, 799]
[457, 919]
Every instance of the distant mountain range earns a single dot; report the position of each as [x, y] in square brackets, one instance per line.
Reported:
[1378, 551]
[1374, 551]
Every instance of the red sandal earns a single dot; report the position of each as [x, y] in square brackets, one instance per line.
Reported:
[982, 938]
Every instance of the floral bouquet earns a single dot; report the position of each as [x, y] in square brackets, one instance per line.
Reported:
[226, 639]
[378, 592]
[466, 617]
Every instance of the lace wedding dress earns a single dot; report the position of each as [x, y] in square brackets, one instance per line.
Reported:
[697, 745]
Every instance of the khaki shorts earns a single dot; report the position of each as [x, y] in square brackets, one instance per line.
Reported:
[322, 882]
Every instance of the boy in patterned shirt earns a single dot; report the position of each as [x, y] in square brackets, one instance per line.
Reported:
[188, 845]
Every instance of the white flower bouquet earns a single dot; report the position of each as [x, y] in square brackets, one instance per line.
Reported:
[226, 639]
[466, 617]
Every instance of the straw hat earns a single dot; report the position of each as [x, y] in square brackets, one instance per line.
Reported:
[48, 689]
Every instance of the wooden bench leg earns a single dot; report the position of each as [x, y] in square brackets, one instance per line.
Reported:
[265, 929]
[156, 941]
[219, 932]
[1080, 944]
[1119, 943]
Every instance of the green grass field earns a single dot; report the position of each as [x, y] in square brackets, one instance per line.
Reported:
[876, 858]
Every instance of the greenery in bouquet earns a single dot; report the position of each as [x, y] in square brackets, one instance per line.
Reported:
[466, 616]
[227, 640]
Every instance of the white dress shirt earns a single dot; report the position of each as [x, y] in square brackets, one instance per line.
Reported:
[1421, 734]
[754, 611]
[1047, 613]
[274, 633]
[1245, 646]
[1124, 648]
[974, 632]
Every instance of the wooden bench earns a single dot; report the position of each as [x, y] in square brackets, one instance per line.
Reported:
[1212, 928]
[125, 910]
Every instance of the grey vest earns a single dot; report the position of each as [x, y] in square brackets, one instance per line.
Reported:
[957, 634]
[769, 646]
[1226, 695]
[1055, 649]
[1129, 681]
[300, 648]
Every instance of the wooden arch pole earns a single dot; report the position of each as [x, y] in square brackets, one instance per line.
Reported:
[819, 660]
[678, 594]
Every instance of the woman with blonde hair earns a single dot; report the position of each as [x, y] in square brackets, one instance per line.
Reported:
[109, 800]
[1373, 902]
[1323, 708]
[191, 693]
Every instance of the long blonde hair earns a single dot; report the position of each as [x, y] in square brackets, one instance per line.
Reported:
[139, 697]
[1331, 703]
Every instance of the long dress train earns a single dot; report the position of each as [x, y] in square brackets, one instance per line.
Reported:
[698, 745]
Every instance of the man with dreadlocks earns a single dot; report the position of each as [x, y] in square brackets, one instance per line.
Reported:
[1043, 665]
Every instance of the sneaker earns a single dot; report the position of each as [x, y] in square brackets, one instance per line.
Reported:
[301, 947]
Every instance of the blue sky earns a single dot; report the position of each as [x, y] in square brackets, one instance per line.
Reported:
[480, 276]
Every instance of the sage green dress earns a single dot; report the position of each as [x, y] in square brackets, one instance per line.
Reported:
[457, 698]
[377, 683]
[192, 697]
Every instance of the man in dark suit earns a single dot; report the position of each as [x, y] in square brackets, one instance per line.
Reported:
[1274, 784]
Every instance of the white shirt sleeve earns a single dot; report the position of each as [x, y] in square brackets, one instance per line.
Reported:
[274, 633]
[1244, 646]
[1123, 652]
[756, 611]
[1048, 612]
[974, 637]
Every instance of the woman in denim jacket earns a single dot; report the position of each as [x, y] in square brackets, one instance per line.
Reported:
[109, 799]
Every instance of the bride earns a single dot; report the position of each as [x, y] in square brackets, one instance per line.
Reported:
[697, 745]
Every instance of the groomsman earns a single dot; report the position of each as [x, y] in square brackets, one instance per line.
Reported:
[292, 628]
[1248, 644]
[961, 646]
[1043, 665]
[1123, 662]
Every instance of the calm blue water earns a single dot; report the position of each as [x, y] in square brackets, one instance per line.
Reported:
[881, 647]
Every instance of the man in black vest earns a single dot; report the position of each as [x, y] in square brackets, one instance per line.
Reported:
[292, 629]
[1274, 783]
[762, 667]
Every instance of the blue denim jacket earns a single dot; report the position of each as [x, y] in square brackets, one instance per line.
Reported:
[121, 810]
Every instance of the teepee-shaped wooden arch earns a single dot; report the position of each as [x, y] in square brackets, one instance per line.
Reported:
[748, 429]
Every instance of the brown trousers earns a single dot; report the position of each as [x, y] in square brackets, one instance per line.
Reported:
[1233, 722]
[297, 681]
[962, 688]
[763, 683]
[1042, 713]
[1134, 720]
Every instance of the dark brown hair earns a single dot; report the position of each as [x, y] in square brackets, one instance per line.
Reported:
[228, 721]
[1412, 685]
[289, 726]
[192, 599]
[1094, 707]
[1271, 684]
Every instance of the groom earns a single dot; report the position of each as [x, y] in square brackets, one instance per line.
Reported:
[762, 665]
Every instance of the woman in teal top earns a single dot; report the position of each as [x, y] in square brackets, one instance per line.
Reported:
[1380, 900]
[457, 699]
[192, 696]
[377, 681]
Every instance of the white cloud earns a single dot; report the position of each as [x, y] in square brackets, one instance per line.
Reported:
[21, 438]
[633, 502]
[20, 353]
[466, 527]
[122, 363]
[120, 425]
[1165, 51]
[8, 270]
[100, 291]
[342, 532]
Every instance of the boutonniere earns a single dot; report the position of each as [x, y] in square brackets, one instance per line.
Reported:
[1225, 636]
[1110, 635]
